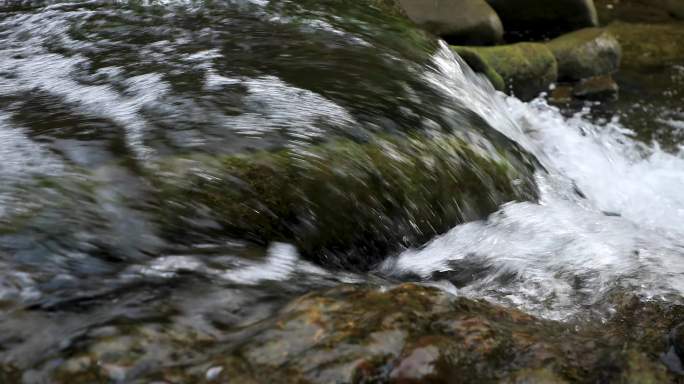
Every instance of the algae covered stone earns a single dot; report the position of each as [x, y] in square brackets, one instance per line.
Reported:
[457, 21]
[342, 202]
[527, 69]
[586, 53]
[479, 65]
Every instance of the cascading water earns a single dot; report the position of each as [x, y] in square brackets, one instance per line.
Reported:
[609, 214]
[124, 127]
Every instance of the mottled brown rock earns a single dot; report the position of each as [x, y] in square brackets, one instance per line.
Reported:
[403, 334]
[596, 88]
[526, 69]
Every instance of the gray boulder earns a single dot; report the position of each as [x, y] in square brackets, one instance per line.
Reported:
[545, 17]
[586, 53]
[457, 21]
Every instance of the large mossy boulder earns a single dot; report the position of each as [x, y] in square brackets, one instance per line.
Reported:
[527, 69]
[545, 17]
[342, 203]
[403, 334]
[648, 46]
[586, 53]
[457, 21]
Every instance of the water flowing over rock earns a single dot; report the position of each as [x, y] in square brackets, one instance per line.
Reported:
[526, 69]
[278, 191]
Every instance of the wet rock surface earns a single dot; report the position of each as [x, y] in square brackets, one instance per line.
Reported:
[596, 88]
[586, 53]
[527, 69]
[402, 334]
[137, 264]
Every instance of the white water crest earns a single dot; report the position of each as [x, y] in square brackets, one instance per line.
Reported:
[610, 214]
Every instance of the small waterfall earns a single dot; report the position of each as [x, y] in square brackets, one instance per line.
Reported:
[610, 213]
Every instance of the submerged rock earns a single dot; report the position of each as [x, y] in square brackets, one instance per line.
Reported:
[544, 17]
[368, 334]
[596, 88]
[457, 21]
[527, 69]
[586, 53]
[342, 203]
[478, 64]
[561, 93]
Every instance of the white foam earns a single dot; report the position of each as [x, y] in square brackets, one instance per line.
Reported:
[566, 252]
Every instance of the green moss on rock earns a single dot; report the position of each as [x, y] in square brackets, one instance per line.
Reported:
[341, 201]
[647, 46]
[527, 69]
[479, 65]
[596, 88]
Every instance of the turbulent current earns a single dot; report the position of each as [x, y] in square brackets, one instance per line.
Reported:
[127, 194]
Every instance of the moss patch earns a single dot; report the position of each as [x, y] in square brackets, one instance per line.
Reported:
[341, 202]
[647, 46]
[527, 69]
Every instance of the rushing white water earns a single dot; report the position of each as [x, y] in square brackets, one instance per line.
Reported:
[610, 215]
[623, 229]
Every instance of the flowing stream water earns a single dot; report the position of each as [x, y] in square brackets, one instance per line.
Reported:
[98, 98]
